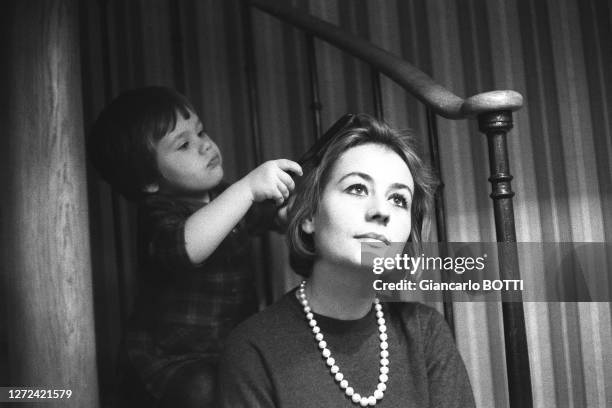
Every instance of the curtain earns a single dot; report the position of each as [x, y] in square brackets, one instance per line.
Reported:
[555, 53]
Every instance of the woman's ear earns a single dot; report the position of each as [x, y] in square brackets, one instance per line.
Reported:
[308, 225]
[151, 188]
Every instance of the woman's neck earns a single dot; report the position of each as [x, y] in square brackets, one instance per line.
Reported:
[340, 293]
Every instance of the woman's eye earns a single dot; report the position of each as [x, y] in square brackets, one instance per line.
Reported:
[357, 189]
[201, 133]
[184, 146]
[399, 200]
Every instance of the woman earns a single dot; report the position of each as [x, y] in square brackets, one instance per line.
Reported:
[330, 342]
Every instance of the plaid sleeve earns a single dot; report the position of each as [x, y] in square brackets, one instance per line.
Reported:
[163, 223]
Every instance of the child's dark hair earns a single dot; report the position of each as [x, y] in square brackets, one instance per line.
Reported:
[360, 129]
[122, 140]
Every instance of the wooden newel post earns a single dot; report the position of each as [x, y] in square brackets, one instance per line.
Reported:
[495, 125]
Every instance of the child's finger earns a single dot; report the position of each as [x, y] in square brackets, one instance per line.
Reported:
[287, 180]
[283, 190]
[289, 165]
[279, 196]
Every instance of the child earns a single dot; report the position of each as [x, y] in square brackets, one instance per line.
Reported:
[195, 270]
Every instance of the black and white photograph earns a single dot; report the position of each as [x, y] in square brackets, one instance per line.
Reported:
[306, 203]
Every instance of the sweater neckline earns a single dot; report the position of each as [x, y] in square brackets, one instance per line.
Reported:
[328, 324]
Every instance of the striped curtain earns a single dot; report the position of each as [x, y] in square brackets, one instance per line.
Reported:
[556, 53]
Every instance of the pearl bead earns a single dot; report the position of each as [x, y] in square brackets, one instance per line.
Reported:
[376, 301]
[380, 314]
[363, 401]
[384, 345]
[330, 361]
[384, 353]
[319, 336]
[371, 400]
[316, 329]
[322, 344]
[382, 387]
[334, 369]
[302, 295]
[307, 309]
[384, 370]
[378, 394]
[339, 377]
[384, 362]
[312, 323]
[383, 378]
[349, 391]
[326, 353]
[356, 397]
[343, 384]
[304, 302]
[381, 321]
[377, 306]
[383, 336]
[382, 328]
[309, 316]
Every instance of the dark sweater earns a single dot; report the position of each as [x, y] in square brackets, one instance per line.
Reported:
[272, 360]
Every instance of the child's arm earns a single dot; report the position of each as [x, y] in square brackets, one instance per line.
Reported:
[207, 227]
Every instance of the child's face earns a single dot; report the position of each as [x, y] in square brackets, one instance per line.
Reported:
[188, 161]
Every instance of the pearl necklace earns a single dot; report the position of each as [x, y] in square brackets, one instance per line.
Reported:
[331, 363]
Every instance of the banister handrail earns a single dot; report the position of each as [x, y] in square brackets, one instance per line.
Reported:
[420, 85]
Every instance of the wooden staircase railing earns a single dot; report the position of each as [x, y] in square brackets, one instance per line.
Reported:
[493, 110]
[421, 86]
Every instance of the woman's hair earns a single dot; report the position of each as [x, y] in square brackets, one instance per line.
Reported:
[351, 131]
[122, 140]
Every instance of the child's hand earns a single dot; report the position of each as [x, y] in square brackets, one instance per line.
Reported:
[283, 211]
[271, 180]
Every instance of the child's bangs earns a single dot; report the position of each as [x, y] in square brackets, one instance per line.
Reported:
[164, 121]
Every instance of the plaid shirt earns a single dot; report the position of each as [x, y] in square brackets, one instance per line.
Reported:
[185, 312]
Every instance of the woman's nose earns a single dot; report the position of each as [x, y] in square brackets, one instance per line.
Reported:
[378, 213]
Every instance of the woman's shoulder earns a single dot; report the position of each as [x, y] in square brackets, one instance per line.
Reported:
[419, 317]
[415, 310]
[276, 320]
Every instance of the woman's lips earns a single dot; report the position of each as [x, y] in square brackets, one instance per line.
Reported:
[374, 236]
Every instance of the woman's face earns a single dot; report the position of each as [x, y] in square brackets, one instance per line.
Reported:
[367, 199]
